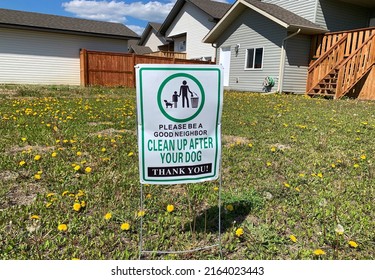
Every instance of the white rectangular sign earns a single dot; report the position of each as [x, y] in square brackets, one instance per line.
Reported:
[179, 122]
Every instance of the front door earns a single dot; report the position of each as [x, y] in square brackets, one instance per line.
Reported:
[225, 62]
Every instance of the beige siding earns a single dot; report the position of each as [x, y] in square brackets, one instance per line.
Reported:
[33, 57]
[195, 23]
[153, 41]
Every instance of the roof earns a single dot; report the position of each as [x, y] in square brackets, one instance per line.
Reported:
[37, 21]
[150, 26]
[215, 10]
[281, 16]
[140, 49]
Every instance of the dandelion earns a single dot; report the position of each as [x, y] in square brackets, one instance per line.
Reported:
[230, 207]
[339, 229]
[54, 154]
[77, 167]
[353, 244]
[148, 196]
[268, 163]
[293, 238]
[88, 169]
[83, 204]
[250, 145]
[130, 154]
[65, 193]
[62, 227]
[333, 165]
[170, 208]
[273, 149]
[79, 153]
[37, 157]
[108, 216]
[216, 188]
[103, 150]
[286, 185]
[22, 163]
[141, 213]
[34, 217]
[50, 194]
[37, 176]
[319, 252]
[356, 165]
[363, 157]
[48, 204]
[77, 206]
[320, 175]
[239, 232]
[125, 226]
[23, 139]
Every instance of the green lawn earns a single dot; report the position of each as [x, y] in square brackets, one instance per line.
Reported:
[298, 180]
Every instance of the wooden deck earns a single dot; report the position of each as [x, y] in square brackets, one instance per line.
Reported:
[342, 65]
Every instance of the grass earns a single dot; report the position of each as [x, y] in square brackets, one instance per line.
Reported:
[297, 180]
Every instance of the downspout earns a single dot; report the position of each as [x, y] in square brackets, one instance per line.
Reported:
[282, 61]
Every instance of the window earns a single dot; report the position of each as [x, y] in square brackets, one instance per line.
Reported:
[254, 58]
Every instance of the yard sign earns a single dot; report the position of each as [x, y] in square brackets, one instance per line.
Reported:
[179, 122]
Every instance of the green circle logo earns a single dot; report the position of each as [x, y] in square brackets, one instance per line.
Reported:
[181, 97]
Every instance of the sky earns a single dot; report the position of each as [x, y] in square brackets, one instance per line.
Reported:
[135, 14]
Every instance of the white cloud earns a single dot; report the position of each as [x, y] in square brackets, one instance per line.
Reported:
[117, 11]
[137, 29]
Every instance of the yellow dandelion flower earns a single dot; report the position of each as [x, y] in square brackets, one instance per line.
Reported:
[37, 176]
[50, 194]
[148, 196]
[83, 203]
[22, 163]
[79, 153]
[37, 157]
[103, 150]
[170, 208]
[125, 226]
[356, 165]
[320, 175]
[80, 193]
[108, 216]
[273, 149]
[286, 185]
[363, 157]
[77, 167]
[77, 206]
[88, 169]
[65, 193]
[319, 252]
[54, 154]
[250, 145]
[57, 141]
[268, 163]
[239, 232]
[130, 154]
[34, 217]
[230, 207]
[23, 139]
[48, 204]
[293, 238]
[297, 189]
[216, 188]
[333, 165]
[141, 213]
[353, 244]
[62, 227]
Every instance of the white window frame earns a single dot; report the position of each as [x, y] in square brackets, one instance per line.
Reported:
[253, 63]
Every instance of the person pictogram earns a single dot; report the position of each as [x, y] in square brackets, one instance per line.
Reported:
[184, 89]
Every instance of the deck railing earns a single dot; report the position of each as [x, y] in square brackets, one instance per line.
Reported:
[355, 67]
[169, 54]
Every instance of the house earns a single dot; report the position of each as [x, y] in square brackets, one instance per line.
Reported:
[153, 39]
[188, 22]
[277, 45]
[45, 49]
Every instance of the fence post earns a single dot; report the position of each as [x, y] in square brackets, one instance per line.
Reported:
[133, 69]
[83, 67]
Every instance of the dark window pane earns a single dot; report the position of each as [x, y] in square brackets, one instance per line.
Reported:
[250, 58]
[258, 58]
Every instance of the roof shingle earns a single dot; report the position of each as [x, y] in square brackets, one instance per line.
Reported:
[23, 19]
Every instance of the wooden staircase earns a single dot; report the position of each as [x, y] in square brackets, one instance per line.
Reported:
[344, 64]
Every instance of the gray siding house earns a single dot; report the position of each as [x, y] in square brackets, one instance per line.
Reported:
[266, 45]
[45, 49]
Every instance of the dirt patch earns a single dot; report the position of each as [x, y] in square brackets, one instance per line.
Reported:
[230, 140]
[99, 123]
[7, 175]
[40, 149]
[8, 92]
[112, 131]
[21, 195]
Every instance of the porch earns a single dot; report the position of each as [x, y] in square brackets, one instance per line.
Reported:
[342, 64]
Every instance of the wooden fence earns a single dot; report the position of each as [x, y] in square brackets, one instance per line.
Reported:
[117, 69]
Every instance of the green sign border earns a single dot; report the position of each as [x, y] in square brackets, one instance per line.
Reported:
[195, 178]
